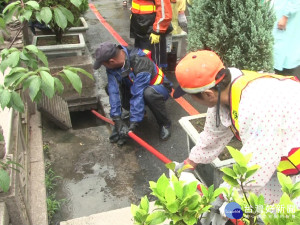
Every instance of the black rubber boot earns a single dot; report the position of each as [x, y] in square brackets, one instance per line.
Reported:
[114, 137]
[164, 133]
[121, 141]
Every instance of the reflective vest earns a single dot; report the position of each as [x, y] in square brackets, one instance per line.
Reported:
[143, 6]
[289, 165]
[159, 77]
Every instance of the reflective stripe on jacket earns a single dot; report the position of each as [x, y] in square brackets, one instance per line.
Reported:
[143, 7]
[160, 8]
[289, 165]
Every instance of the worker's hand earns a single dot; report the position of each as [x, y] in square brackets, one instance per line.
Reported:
[183, 167]
[154, 38]
[120, 125]
[182, 21]
[133, 126]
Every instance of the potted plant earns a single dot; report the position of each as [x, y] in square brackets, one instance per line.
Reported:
[58, 16]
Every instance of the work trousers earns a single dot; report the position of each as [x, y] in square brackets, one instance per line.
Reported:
[158, 51]
[157, 104]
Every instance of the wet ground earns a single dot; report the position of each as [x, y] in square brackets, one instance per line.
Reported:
[97, 176]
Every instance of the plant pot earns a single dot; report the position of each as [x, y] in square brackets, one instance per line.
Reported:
[209, 173]
[60, 50]
[80, 29]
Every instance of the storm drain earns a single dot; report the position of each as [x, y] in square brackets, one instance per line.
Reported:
[56, 109]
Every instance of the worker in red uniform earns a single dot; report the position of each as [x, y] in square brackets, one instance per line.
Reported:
[150, 23]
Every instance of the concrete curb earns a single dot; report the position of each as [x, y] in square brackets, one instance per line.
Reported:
[38, 212]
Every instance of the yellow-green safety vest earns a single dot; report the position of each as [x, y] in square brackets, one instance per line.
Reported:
[289, 165]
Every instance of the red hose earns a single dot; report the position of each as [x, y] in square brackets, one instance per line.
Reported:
[144, 144]
[156, 153]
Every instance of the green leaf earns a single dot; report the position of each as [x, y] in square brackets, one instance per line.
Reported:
[173, 206]
[145, 204]
[77, 3]
[58, 85]
[4, 180]
[285, 181]
[229, 172]
[75, 69]
[47, 14]
[253, 200]
[162, 184]
[11, 6]
[295, 194]
[10, 61]
[157, 217]
[230, 180]
[251, 171]
[74, 79]
[204, 190]
[67, 13]
[33, 4]
[60, 18]
[170, 166]
[34, 87]
[11, 79]
[26, 15]
[260, 200]
[218, 191]
[170, 195]
[32, 48]
[237, 156]
[12, 12]
[5, 98]
[134, 208]
[17, 102]
[178, 188]
[48, 82]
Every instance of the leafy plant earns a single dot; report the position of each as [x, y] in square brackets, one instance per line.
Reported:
[177, 201]
[28, 68]
[254, 206]
[56, 14]
[220, 26]
[53, 204]
[4, 174]
[181, 203]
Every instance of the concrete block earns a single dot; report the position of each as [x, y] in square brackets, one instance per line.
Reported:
[56, 109]
[4, 217]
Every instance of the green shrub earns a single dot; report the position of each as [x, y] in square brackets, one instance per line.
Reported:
[239, 31]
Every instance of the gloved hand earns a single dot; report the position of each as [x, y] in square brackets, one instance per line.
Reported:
[183, 167]
[154, 38]
[133, 126]
[120, 125]
[182, 21]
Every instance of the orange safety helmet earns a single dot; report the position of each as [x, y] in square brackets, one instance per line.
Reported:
[197, 71]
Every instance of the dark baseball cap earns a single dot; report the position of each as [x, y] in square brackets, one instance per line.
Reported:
[104, 52]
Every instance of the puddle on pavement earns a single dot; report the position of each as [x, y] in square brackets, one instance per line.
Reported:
[97, 176]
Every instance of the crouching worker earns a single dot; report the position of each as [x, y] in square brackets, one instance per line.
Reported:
[262, 109]
[134, 81]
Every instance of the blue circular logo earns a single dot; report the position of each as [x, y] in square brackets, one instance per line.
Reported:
[233, 211]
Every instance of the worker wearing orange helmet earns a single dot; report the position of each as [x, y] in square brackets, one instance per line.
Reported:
[262, 108]
[149, 24]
